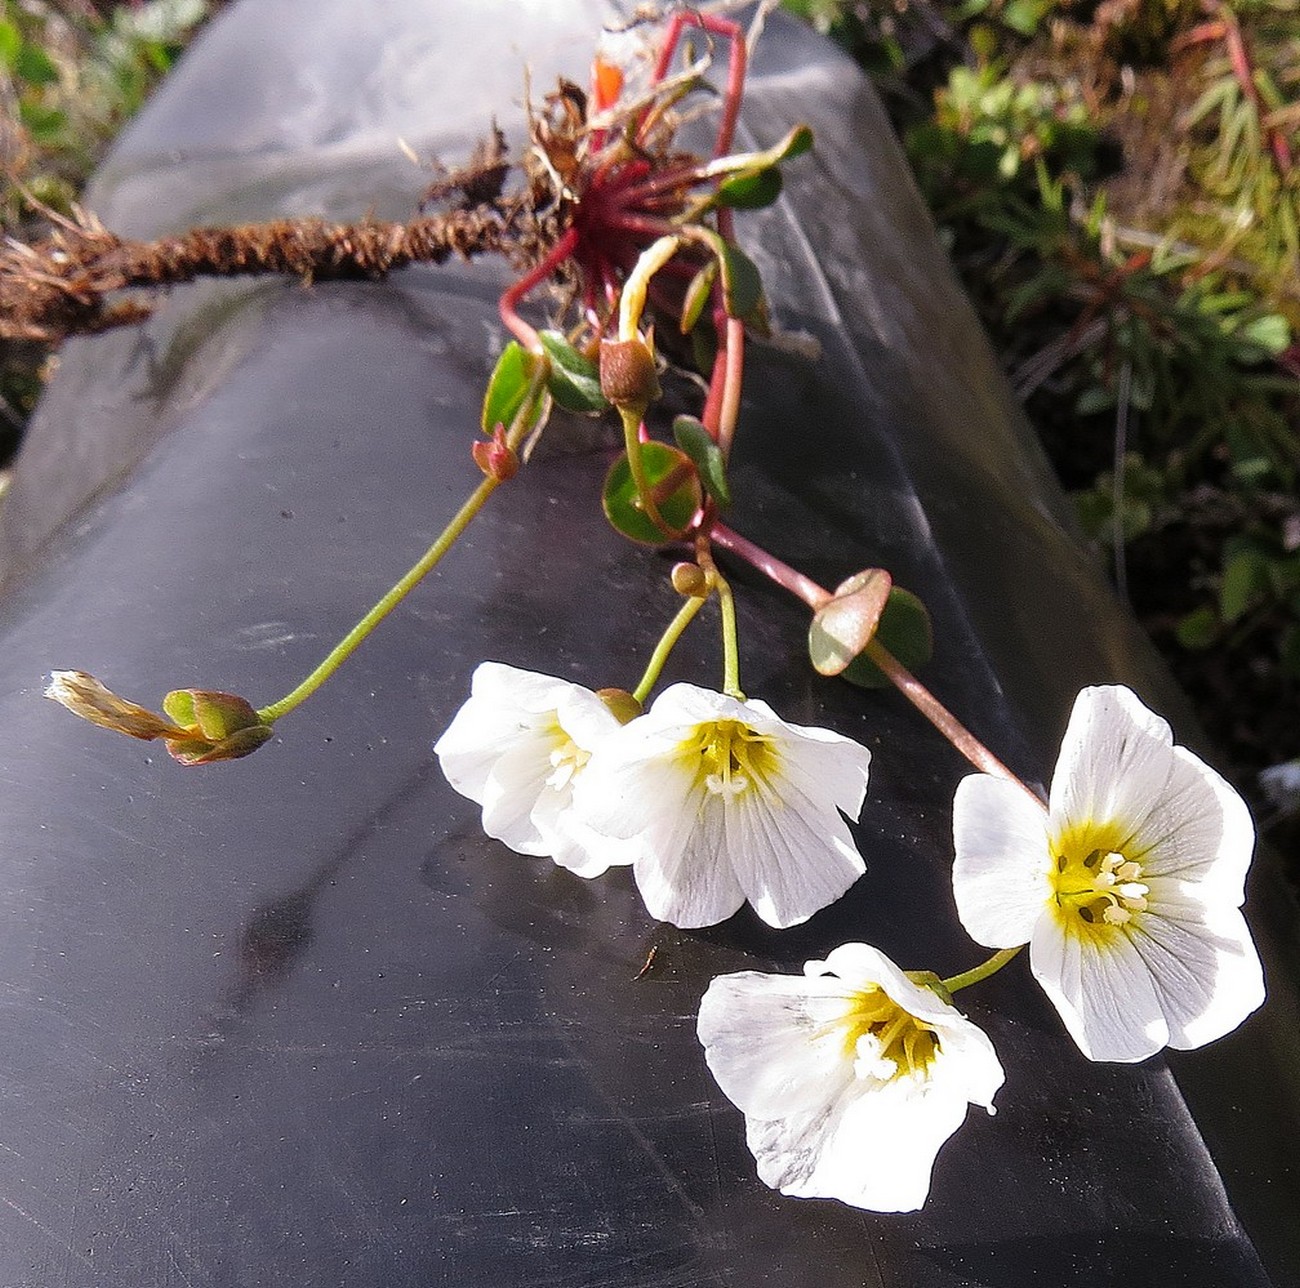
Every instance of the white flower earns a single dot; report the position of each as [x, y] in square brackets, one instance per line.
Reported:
[724, 801]
[1128, 888]
[517, 747]
[850, 1078]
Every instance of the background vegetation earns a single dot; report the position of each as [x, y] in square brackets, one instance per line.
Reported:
[1119, 185]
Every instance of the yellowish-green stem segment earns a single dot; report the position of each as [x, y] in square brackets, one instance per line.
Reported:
[517, 432]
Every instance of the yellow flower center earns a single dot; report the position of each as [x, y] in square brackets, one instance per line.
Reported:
[1096, 885]
[887, 1042]
[729, 756]
[566, 758]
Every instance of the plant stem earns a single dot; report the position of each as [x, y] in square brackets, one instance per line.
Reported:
[344, 649]
[735, 369]
[730, 650]
[982, 971]
[667, 642]
[525, 334]
[908, 685]
[636, 465]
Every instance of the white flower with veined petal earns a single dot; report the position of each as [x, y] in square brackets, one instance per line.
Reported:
[517, 747]
[1128, 888]
[724, 801]
[850, 1078]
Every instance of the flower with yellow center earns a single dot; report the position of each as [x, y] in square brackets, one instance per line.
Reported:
[850, 1077]
[1127, 888]
[517, 748]
[722, 801]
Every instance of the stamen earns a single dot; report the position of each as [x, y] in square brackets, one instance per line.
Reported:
[1101, 888]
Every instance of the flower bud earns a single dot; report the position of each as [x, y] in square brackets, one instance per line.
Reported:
[218, 726]
[497, 459]
[624, 707]
[628, 376]
[689, 579]
[199, 726]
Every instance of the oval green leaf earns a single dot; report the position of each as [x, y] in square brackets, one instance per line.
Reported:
[508, 386]
[574, 380]
[904, 629]
[751, 191]
[742, 287]
[842, 628]
[678, 508]
[698, 444]
[697, 295]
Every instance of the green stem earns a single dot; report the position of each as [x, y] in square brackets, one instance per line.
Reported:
[982, 971]
[644, 489]
[344, 649]
[668, 641]
[730, 651]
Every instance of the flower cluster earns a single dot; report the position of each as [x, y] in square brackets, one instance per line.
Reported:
[1127, 887]
[713, 801]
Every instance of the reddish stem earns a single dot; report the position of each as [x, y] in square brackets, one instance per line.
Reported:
[733, 376]
[728, 30]
[908, 685]
[710, 416]
[1239, 57]
[510, 297]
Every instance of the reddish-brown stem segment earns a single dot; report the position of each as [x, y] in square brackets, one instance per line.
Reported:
[728, 30]
[731, 383]
[908, 685]
[510, 297]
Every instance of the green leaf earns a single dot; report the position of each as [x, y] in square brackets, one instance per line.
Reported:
[842, 628]
[1271, 332]
[574, 380]
[33, 65]
[11, 42]
[508, 386]
[1199, 629]
[697, 295]
[905, 630]
[706, 455]
[1243, 577]
[798, 141]
[752, 190]
[742, 287]
[47, 125]
[619, 500]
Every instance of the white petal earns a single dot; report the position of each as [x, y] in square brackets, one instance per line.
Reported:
[474, 741]
[585, 852]
[789, 858]
[1200, 830]
[1103, 991]
[1206, 973]
[512, 689]
[584, 717]
[825, 766]
[516, 781]
[874, 1149]
[1000, 874]
[682, 871]
[1115, 761]
[769, 1053]
[672, 827]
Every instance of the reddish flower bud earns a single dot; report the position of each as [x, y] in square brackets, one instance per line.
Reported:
[497, 459]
